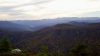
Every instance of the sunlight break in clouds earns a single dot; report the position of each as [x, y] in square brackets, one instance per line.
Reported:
[42, 9]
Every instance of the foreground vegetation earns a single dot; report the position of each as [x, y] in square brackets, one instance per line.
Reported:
[80, 49]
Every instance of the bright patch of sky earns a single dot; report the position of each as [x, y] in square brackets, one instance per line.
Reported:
[42, 9]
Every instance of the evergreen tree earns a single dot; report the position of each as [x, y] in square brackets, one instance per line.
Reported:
[44, 51]
[78, 50]
[5, 45]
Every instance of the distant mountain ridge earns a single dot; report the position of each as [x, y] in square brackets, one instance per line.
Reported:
[34, 25]
[50, 22]
[78, 23]
[7, 25]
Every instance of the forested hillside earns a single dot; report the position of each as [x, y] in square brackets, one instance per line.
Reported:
[60, 37]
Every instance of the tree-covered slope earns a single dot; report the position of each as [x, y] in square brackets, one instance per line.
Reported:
[62, 37]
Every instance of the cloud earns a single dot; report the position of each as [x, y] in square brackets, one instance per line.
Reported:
[5, 16]
[14, 2]
[6, 9]
[91, 14]
[40, 9]
[92, 0]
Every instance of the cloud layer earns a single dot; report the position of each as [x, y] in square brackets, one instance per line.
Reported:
[42, 9]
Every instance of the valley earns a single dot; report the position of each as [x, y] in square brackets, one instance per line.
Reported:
[61, 36]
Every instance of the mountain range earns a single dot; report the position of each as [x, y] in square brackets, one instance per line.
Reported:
[33, 25]
[38, 24]
[60, 36]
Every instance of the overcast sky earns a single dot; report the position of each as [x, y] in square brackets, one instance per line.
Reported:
[43, 9]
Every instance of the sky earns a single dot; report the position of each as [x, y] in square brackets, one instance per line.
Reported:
[48, 9]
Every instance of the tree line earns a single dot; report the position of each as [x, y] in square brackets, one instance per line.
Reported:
[80, 49]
